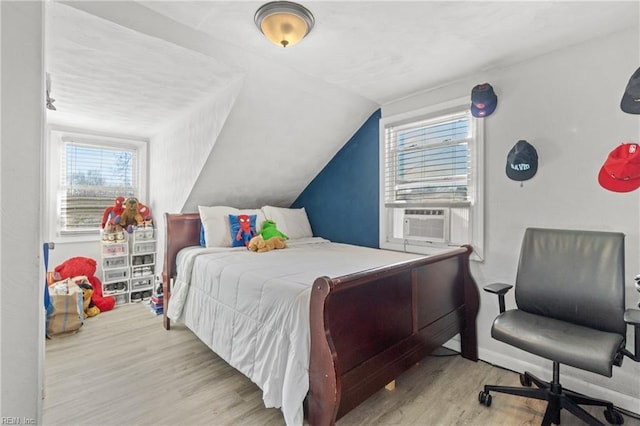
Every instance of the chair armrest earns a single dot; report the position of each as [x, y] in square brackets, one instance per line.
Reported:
[500, 289]
[632, 317]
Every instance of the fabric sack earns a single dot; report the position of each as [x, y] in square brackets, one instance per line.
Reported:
[67, 314]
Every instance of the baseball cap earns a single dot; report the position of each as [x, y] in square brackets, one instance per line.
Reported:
[631, 98]
[621, 171]
[522, 161]
[483, 100]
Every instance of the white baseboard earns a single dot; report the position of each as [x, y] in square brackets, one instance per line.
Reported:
[501, 360]
[618, 399]
[454, 344]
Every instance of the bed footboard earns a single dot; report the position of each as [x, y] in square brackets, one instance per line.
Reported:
[368, 328]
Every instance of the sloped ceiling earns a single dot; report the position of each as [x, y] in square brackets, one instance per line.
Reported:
[134, 65]
[384, 50]
[135, 68]
[111, 78]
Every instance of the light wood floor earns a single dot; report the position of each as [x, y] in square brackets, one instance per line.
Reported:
[123, 368]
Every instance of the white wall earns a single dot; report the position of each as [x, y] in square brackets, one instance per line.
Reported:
[271, 125]
[178, 153]
[566, 104]
[21, 273]
[284, 128]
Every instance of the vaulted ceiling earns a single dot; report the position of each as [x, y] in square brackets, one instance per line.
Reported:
[128, 67]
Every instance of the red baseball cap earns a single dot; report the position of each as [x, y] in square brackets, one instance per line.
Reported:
[621, 171]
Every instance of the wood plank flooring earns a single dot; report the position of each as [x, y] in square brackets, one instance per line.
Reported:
[123, 368]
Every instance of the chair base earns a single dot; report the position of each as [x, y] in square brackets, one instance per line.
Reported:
[558, 399]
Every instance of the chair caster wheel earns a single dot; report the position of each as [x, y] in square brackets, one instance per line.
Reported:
[525, 380]
[484, 398]
[613, 417]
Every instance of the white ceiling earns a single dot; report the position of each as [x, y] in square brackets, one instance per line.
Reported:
[129, 67]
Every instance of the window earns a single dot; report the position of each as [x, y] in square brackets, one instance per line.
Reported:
[89, 173]
[431, 179]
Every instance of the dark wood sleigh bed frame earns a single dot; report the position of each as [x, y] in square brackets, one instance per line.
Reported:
[369, 327]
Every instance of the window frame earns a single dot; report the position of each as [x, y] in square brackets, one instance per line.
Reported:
[57, 139]
[476, 184]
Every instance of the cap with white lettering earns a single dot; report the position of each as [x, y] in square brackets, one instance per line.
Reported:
[522, 161]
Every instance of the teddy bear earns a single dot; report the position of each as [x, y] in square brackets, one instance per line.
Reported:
[130, 217]
[260, 245]
[77, 266]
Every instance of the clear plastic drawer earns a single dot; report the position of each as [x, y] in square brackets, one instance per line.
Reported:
[116, 274]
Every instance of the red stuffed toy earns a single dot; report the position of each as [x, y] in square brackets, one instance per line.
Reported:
[112, 215]
[111, 212]
[144, 211]
[86, 266]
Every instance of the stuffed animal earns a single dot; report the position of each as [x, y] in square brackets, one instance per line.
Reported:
[130, 216]
[274, 243]
[145, 212]
[269, 230]
[76, 266]
[90, 309]
[260, 245]
[111, 213]
[257, 244]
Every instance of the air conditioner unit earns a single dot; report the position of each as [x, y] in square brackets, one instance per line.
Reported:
[430, 225]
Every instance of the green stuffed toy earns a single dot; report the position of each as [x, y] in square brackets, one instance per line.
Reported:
[269, 230]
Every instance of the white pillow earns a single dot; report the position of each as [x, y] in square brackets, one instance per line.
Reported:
[215, 221]
[294, 223]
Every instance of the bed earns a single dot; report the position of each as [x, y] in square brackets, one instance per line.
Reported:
[365, 326]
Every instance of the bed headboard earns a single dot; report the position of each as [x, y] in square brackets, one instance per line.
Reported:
[181, 230]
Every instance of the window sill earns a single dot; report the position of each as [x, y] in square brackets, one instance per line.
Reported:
[76, 238]
[429, 250]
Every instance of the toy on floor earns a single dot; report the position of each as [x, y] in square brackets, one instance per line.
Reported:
[77, 266]
[90, 309]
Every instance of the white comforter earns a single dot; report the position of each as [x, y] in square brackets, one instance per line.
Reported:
[252, 309]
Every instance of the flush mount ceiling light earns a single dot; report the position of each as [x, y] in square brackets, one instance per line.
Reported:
[283, 22]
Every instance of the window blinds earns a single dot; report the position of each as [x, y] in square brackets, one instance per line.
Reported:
[429, 161]
[92, 176]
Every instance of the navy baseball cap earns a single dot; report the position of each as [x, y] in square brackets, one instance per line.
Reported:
[631, 99]
[522, 161]
[483, 100]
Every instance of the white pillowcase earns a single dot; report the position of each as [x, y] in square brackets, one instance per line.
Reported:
[294, 223]
[215, 221]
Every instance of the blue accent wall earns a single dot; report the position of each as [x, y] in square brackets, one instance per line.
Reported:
[342, 200]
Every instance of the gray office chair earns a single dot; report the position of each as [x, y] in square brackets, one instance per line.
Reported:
[571, 310]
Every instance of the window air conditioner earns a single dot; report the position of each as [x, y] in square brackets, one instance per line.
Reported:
[429, 225]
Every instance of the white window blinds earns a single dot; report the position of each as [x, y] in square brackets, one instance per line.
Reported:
[92, 176]
[429, 161]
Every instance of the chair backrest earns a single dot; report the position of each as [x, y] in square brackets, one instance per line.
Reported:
[574, 276]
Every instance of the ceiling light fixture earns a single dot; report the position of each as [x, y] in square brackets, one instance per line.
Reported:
[283, 22]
